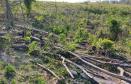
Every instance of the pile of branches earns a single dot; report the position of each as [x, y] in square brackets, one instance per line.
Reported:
[89, 65]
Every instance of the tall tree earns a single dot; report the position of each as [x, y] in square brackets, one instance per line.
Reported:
[9, 22]
[28, 5]
[8, 15]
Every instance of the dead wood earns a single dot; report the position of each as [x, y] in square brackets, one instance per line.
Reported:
[2, 33]
[108, 63]
[35, 29]
[67, 68]
[121, 71]
[127, 74]
[100, 69]
[20, 47]
[93, 77]
[48, 70]
[35, 38]
[78, 66]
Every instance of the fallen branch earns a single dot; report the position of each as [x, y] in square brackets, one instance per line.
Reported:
[87, 72]
[67, 68]
[100, 69]
[3, 33]
[109, 63]
[21, 47]
[35, 29]
[128, 73]
[78, 66]
[121, 71]
[94, 57]
[48, 70]
[102, 58]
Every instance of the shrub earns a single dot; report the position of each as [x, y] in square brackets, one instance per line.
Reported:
[92, 39]
[3, 43]
[1, 65]
[106, 44]
[28, 5]
[10, 72]
[33, 48]
[101, 43]
[62, 38]
[81, 35]
[3, 81]
[27, 38]
[38, 80]
[128, 48]
[58, 29]
[13, 82]
[128, 43]
[39, 17]
[71, 46]
[114, 29]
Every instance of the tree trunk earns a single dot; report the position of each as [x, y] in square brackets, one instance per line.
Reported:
[8, 15]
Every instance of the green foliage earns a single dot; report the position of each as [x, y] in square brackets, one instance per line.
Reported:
[3, 81]
[39, 80]
[61, 71]
[8, 37]
[114, 30]
[96, 10]
[56, 67]
[100, 43]
[10, 72]
[27, 38]
[106, 44]
[33, 48]
[59, 29]
[28, 33]
[71, 46]
[63, 38]
[1, 65]
[129, 45]
[28, 4]
[39, 18]
[70, 24]
[92, 39]
[13, 81]
[81, 35]
[3, 43]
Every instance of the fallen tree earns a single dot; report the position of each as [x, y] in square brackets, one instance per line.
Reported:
[78, 66]
[108, 63]
[100, 69]
[85, 69]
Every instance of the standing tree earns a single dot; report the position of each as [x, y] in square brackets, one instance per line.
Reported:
[8, 15]
[28, 4]
[9, 22]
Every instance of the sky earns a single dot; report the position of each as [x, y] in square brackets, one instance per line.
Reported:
[75, 1]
